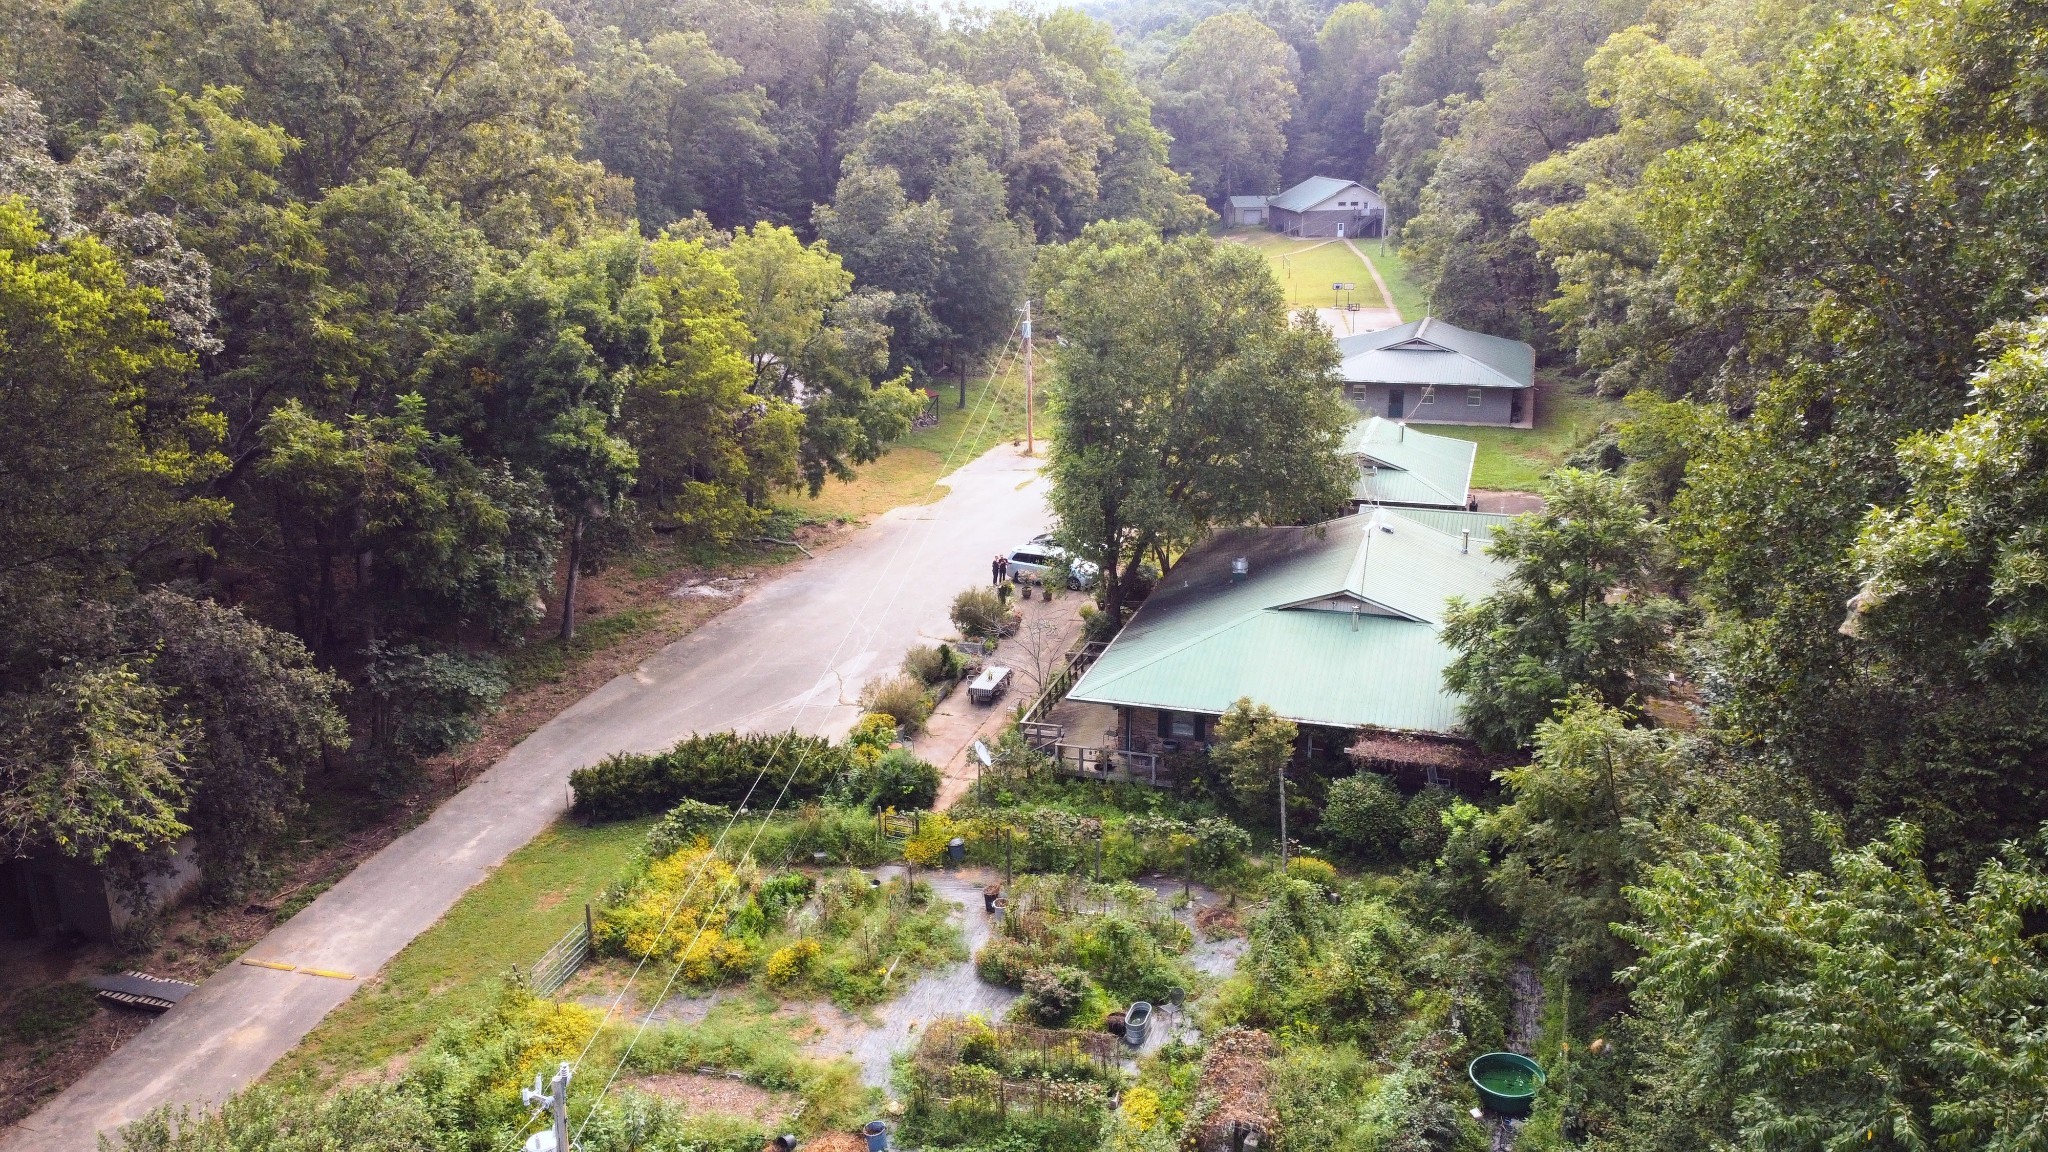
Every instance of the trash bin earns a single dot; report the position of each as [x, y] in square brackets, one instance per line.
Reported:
[878, 1136]
[956, 850]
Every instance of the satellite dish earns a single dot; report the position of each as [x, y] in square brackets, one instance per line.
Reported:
[981, 753]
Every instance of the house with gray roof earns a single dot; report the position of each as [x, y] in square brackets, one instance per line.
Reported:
[1430, 372]
[1402, 467]
[1318, 206]
[1335, 626]
[1327, 206]
[1247, 211]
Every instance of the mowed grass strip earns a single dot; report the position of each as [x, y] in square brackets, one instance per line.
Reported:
[1307, 268]
[909, 471]
[1517, 459]
[1409, 300]
[451, 970]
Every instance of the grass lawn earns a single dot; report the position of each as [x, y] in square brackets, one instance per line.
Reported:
[1409, 299]
[1515, 459]
[450, 970]
[908, 472]
[1307, 268]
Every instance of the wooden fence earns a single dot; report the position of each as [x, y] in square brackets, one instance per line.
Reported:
[559, 963]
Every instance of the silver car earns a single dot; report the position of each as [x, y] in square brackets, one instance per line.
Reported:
[1030, 562]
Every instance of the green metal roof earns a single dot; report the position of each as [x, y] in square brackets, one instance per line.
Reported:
[1399, 465]
[1311, 192]
[1429, 351]
[1334, 624]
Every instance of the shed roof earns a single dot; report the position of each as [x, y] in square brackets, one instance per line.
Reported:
[1429, 351]
[1335, 624]
[1311, 192]
[1248, 201]
[1399, 465]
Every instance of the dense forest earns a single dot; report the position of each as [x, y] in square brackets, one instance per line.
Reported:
[342, 337]
[343, 334]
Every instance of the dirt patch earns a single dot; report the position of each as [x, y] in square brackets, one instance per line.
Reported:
[716, 1094]
[1507, 503]
[1215, 922]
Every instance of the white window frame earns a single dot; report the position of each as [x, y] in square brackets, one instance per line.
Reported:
[1474, 397]
[1428, 395]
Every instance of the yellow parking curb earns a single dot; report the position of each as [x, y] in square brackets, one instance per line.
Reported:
[326, 973]
[254, 963]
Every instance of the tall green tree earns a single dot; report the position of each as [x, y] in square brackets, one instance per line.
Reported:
[1577, 612]
[1226, 98]
[1253, 745]
[1185, 399]
[1584, 820]
[539, 370]
[819, 344]
[109, 435]
[1862, 1007]
[711, 449]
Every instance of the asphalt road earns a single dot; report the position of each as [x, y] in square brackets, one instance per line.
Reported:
[793, 653]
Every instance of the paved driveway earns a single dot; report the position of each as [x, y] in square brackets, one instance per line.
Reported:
[794, 653]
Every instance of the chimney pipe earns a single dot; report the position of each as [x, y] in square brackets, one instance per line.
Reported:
[1239, 569]
[1464, 541]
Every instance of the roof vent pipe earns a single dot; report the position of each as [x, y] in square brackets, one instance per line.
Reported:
[1403, 437]
[1239, 569]
[1464, 541]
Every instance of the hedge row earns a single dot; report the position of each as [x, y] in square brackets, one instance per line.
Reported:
[718, 768]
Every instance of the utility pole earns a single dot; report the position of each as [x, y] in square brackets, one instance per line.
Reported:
[557, 1103]
[1283, 819]
[1030, 446]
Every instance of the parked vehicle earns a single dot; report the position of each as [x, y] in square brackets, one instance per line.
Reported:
[1030, 562]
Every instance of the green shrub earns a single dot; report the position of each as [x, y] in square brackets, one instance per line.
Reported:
[682, 824]
[933, 664]
[903, 698]
[1053, 991]
[1317, 872]
[981, 613]
[1364, 817]
[898, 779]
[720, 768]
[423, 703]
[1423, 834]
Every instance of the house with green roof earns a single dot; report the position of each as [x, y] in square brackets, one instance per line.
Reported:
[1430, 372]
[1402, 467]
[1335, 626]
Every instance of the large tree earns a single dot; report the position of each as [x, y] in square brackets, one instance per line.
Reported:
[539, 370]
[1227, 96]
[1577, 612]
[1185, 398]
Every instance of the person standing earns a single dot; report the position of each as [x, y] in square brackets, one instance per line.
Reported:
[995, 571]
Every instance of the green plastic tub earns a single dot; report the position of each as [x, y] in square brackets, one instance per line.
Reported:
[1507, 1082]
